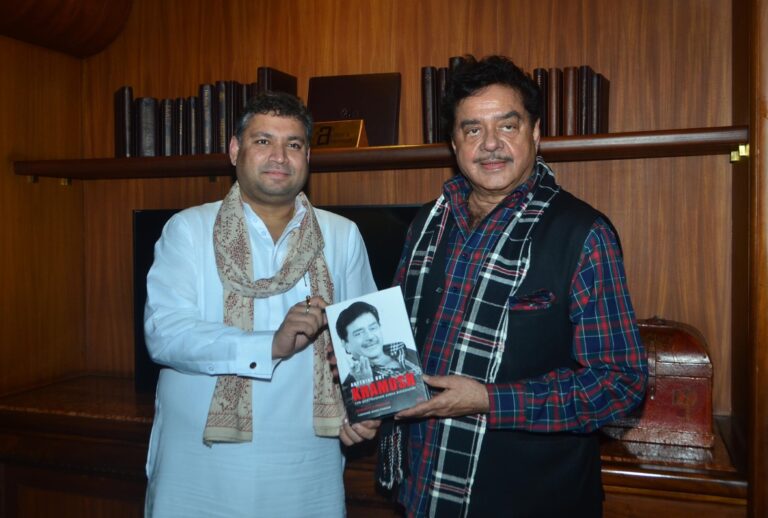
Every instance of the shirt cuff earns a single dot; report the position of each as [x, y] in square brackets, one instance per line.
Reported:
[506, 406]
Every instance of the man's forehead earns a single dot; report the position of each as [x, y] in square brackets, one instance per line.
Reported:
[274, 123]
[496, 100]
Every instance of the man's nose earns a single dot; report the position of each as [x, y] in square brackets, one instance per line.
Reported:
[491, 141]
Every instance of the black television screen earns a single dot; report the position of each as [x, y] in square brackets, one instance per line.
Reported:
[383, 228]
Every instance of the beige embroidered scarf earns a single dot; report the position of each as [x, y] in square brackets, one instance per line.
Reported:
[230, 417]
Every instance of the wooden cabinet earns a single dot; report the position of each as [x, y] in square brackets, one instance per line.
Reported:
[77, 447]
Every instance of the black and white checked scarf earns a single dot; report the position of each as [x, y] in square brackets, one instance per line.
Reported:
[480, 346]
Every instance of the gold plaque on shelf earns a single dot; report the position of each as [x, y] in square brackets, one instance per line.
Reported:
[347, 133]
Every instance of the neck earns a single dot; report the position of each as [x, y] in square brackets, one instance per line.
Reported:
[275, 217]
[480, 206]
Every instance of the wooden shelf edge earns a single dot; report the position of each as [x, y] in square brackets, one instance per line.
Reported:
[612, 146]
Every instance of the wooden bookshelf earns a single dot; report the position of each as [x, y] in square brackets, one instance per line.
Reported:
[613, 146]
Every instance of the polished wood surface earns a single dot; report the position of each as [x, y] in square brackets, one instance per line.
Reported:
[758, 359]
[77, 27]
[41, 224]
[616, 146]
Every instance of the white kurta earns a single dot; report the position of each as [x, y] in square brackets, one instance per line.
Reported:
[286, 470]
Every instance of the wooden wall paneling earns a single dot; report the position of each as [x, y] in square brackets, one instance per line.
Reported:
[758, 280]
[109, 257]
[41, 300]
[676, 254]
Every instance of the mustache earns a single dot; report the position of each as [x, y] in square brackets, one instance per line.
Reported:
[493, 157]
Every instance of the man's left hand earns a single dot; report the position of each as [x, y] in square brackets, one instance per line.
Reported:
[354, 433]
[460, 396]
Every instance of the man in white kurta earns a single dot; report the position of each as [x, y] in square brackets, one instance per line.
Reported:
[285, 470]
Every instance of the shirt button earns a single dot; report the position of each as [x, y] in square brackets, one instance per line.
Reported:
[252, 365]
[438, 290]
[427, 320]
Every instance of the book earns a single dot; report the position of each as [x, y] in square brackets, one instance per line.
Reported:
[273, 80]
[220, 122]
[570, 101]
[206, 123]
[555, 102]
[166, 127]
[178, 122]
[541, 78]
[189, 129]
[600, 96]
[429, 108]
[442, 82]
[586, 112]
[379, 367]
[374, 98]
[123, 121]
[146, 126]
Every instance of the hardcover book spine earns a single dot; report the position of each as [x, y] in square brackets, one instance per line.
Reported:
[146, 126]
[206, 122]
[442, 82]
[123, 121]
[189, 127]
[604, 104]
[166, 127]
[429, 109]
[570, 101]
[220, 117]
[555, 102]
[541, 77]
[178, 126]
[585, 99]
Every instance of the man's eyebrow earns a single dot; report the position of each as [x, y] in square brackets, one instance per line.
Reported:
[513, 114]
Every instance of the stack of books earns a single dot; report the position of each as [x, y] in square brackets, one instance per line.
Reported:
[201, 124]
[574, 100]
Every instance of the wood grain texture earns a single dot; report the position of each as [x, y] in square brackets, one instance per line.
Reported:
[77, 27]
[668, 63]
[758, 373]
[41, 224]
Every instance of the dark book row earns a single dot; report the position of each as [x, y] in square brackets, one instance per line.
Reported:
[574, 100]
[201, 124]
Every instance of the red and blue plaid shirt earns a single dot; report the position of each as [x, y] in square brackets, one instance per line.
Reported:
[606, 342]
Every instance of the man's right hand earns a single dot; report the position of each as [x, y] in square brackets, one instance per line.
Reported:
[300, 327]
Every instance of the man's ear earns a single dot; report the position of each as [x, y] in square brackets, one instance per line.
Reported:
[537, 134]
[234, 149]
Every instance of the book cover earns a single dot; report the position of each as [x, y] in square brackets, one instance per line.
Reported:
[123, 121]
[570, 101]
[273, 80]
[555, 102]
[146, 126]
[541, 78]
[379, 367]
[429, 108]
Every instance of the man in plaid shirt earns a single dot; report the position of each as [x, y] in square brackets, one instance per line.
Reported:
[517, 296]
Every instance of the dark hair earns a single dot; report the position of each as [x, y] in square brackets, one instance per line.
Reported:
[278, 103]
[350, 314]
[471, 75]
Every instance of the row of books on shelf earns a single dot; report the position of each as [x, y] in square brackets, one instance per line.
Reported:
[574, 100]
[201, 124]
